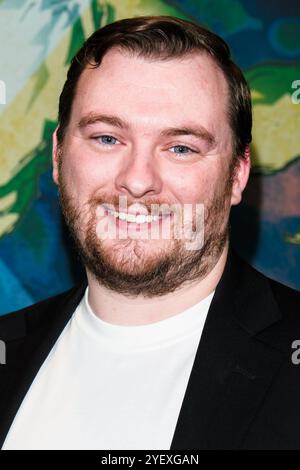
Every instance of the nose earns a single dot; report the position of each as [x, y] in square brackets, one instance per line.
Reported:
[139, 176]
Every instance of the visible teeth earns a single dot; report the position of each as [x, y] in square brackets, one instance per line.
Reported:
[130, 217]
[141, 219]
[138, 219]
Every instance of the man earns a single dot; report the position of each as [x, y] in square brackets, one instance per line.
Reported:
[173, 342]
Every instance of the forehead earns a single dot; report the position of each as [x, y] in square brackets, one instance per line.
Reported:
[190, 86]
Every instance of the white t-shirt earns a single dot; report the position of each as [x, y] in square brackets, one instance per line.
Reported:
[107, 386]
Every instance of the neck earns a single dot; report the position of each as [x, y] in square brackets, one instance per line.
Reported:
[118, 309]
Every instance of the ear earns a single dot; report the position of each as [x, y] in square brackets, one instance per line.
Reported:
[55, 156]
[242, 172]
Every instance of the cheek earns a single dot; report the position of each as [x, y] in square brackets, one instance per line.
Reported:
[194, 185]
[77, 177]
[83, 175]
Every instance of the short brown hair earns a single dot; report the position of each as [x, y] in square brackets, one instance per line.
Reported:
[163, 37]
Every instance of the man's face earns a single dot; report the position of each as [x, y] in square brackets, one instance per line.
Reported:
[100, 161]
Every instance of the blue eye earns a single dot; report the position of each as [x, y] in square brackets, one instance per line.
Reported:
[109, 137]
[183, 147]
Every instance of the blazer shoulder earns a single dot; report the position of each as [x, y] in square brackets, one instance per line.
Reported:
[287, 298]
[40, 311]
[265, 307]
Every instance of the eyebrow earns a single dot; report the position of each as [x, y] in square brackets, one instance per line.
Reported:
[197, 131]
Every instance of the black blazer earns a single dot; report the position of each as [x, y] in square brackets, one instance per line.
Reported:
[244, 389]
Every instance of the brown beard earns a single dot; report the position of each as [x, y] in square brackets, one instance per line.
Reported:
[145, 275]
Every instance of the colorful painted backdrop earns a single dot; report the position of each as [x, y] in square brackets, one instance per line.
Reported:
[37, 41]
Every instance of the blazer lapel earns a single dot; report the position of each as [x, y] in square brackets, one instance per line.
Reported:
[233, 368]
[29, 339]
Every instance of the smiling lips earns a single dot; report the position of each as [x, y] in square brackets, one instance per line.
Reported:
[138, 216]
